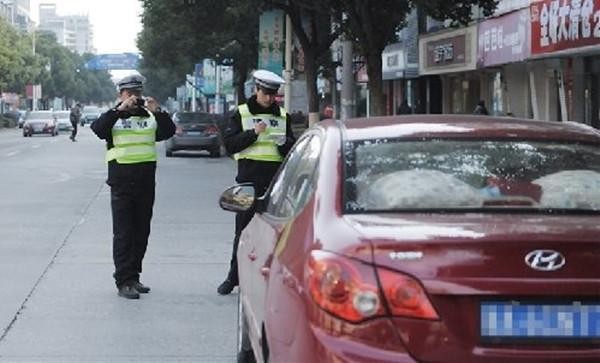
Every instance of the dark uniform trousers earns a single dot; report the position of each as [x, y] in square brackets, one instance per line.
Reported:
[131, 205]
[241, 221]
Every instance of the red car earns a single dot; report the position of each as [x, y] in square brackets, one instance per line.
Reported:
[40, 122]
[426, 239]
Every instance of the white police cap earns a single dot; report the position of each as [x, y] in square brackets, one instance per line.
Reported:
[133, 82]
[267, 79]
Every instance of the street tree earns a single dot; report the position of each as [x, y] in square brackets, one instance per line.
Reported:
[63, 74]
[178, 34]
[373, 24]
[17, 63]
[313, 26]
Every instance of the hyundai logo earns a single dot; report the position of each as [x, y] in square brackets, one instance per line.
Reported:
[545, 260]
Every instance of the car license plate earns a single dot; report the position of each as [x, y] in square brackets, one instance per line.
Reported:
[193, 133]
[511, 319]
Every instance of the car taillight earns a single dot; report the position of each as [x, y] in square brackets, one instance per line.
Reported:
[405, 296]
[349, 289]
[211, 130]
[178, 131]
[343, 287]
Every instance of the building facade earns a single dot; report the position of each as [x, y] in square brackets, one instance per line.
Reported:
[74, 31]
[17, 13]
[535, 59]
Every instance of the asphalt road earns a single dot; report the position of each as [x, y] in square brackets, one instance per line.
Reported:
[58, 302]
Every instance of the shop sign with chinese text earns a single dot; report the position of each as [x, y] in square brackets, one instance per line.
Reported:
[564, 24]
[448, 51]
[504, 39]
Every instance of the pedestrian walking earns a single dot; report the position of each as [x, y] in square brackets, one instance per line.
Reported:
[480, 109]
[259, 135]
[74, 117]
[131, 130]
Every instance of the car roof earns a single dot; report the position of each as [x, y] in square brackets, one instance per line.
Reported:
[464, 127]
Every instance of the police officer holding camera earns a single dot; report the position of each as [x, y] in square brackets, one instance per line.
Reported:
[130, 130]
[259, 135]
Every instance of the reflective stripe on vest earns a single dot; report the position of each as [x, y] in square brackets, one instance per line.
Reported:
[133, 140]
[265, 147]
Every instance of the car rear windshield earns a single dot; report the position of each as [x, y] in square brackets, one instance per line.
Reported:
[39, 115]
[198, 118]
[91, 109]
[400, 175]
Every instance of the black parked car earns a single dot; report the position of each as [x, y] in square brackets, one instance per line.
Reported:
[195, 131]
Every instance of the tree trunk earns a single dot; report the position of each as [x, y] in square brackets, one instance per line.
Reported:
[310, 71]
[240, 71]
[375, 83]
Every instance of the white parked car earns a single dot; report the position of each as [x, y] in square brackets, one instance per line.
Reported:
[63, 120]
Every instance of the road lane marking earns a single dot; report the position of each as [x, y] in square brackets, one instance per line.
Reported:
[13, 153]
[36, 146]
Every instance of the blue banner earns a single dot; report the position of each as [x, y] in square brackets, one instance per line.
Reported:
[125, 61]
[271, 41]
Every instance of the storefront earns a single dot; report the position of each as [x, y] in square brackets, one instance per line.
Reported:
[451, 54]
[503, 47]
[565, 47]
[400, 69]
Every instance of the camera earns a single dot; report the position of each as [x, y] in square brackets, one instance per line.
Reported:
[139, 102]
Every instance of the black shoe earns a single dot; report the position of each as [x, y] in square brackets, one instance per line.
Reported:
[128, 292]
[141, 288]
[226, 287]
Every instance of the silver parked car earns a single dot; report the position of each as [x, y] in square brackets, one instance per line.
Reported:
[64, 120]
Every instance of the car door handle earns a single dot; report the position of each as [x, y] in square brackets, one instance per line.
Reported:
[252, 256]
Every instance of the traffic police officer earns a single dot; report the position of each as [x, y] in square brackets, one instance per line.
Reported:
[259, 135]
[131, 129]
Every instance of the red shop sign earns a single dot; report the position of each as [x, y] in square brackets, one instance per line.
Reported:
[564, 24]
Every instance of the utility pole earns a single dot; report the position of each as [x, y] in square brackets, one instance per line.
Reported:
[193, 103]
[218, 88]
[347, 101]
[287, 101]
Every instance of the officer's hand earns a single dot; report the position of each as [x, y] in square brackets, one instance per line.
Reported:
[152, 104]
[128, 104]
[260, 127]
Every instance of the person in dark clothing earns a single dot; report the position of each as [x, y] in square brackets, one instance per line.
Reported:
[480, 109]
[74, 117]
[404, 108]
[131, 129]
[260, 119]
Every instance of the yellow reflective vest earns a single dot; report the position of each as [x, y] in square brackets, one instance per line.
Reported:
[265, 146]
[133, 140]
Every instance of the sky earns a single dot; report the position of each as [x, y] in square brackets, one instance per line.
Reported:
[116, 23]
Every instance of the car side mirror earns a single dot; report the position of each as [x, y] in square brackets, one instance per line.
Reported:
[238, 198]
